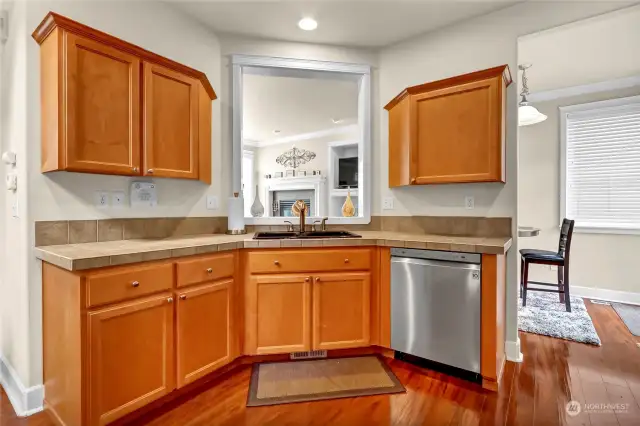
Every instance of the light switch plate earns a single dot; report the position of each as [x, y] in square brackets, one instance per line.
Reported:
[117, 198]
[469, 202]
[101, 199]
[212, 202]
[387, 203]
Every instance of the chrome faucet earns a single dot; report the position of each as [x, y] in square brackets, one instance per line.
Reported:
[301, 207]
[323, 224]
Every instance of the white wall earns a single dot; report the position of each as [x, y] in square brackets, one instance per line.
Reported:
[589, 51]
[602, 49]
[472, 45]
[597, 260]
[155, 26]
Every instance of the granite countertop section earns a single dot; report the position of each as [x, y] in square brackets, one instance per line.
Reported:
[76, 257]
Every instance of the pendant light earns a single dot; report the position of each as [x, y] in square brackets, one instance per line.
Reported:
[527, 113]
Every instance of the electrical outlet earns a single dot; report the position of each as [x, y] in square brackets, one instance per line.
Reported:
[117, 198]
[469, 202]
[212, 202]
[387, 203]
[101, 199]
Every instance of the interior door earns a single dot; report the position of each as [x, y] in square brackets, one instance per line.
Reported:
[457, 134]
[203, 330]
[102, 105]
[170, 123]
[131, 360]
[278, 314]
[341, 310]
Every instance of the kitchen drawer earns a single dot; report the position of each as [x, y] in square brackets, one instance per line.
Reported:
[128, 283]
[305, 261]
[207, 268]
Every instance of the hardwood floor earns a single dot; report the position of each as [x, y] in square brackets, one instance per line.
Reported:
[534, 392]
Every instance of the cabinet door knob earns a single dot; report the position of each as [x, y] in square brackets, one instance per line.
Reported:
[413, 180]
[346, 261]
[307, 279]
[135, 169]
[150, 171]
[169, 299]
[317, 279]
[209, 270]
[275, 262]
[135, 284]
[183, 296]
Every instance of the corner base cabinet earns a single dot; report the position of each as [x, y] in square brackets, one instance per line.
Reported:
[449, 131]
[111, 107]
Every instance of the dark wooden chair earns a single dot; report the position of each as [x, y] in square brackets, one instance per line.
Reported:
[560, 259]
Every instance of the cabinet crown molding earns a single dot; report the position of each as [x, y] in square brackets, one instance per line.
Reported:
[54, 20]
[452, 81]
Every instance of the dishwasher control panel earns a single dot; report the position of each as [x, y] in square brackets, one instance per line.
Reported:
[448, 256]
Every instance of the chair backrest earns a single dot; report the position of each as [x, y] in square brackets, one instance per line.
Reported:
[566, 232]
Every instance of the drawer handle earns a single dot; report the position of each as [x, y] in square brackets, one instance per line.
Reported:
[275, 262]
[135, 284]
[209, 270]
[346, 261]
[183, 297]
[169, 299]
[150, 171]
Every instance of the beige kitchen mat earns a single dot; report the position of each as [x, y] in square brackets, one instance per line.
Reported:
[313, 380]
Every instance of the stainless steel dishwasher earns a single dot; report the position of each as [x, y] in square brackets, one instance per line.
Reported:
[435, 306]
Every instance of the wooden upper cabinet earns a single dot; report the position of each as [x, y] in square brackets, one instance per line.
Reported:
[111, 107]
[170, 123]
[102, 108]
[449, 131]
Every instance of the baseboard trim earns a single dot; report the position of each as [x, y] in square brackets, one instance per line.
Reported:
[604, 294]
[25, 401]
[512, 348]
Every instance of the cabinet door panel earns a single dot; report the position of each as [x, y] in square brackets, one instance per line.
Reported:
[130, 357]
[278, 314]
[170, 123]
[203, 330]
[457, 134]
[102, 104]
[341, 310]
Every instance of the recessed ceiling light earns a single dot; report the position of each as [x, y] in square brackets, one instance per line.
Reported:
[308, 24]
[337, 120]
[276, 131]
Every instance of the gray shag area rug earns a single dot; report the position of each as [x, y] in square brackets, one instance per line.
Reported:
[544, 314]
[630, 315]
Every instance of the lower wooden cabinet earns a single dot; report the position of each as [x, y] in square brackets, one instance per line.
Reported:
[279, 314]
[130, 356]
[203, 330]
[341, 310]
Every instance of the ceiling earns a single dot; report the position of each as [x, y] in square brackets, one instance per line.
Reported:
[296, 107]
[361, 23]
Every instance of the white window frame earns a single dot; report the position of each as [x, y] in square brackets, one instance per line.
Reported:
[564, 111]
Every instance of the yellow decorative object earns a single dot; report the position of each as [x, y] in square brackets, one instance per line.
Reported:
[348, 210]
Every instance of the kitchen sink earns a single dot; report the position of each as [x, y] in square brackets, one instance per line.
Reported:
[312, 234]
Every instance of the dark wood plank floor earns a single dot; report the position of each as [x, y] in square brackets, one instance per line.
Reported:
[534, 392]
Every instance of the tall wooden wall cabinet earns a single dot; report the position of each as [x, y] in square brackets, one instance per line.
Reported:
[449, 131]
[111, 107]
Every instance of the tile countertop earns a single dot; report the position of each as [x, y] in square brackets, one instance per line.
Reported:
[76, 257]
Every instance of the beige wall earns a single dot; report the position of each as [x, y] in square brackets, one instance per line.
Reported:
[602, 49]
[475, 44]
[597, 260]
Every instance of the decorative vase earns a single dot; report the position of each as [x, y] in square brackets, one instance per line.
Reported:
[257, 209]
[348, 210]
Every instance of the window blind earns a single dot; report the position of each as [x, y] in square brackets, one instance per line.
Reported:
[603, 166]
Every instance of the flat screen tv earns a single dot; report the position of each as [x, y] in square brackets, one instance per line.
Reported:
[348, 172]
